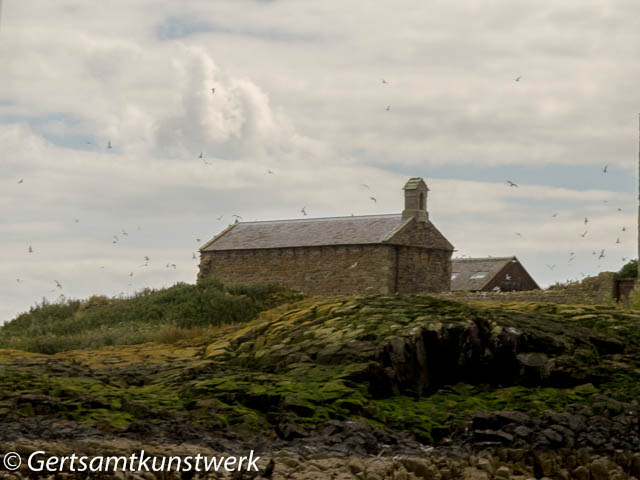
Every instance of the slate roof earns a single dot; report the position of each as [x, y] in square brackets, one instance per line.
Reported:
[462, 269]
[360, 230]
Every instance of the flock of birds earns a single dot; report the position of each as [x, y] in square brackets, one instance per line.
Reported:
[601, 254]
[116, 239]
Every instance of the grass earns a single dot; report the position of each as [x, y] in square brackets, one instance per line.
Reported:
[169, 315]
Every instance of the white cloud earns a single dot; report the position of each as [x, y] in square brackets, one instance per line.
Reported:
[299, 92]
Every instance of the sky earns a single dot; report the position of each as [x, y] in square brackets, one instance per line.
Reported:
[326, 96]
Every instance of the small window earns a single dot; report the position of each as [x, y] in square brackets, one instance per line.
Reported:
[479, 275]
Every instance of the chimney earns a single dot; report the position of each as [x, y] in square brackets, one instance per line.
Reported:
[415, 199]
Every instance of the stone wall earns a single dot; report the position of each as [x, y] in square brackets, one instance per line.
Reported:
[422, 234]
[592, 291]
[423, 270]
[315, 270]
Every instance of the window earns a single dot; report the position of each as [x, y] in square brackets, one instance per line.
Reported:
[479, 275]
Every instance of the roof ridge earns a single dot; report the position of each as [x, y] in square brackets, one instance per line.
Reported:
[478, 259]
[351, 217]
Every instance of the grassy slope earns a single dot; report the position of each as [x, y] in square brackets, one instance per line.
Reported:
[164, 315]
[322, 358]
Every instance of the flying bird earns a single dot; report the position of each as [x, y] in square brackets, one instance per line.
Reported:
[30, 249]
[270, 172]
[213, 90]
[584, 234]
[109, 144]
[364, 185]
[586, 220]
[618, 240]
[220, 217]
[58, 285]
[76, 220]
[354, 265]
[624, 229]
[551, 267]
[624, 259]
[131, 274]
[374, 199]
[518, 79]
[303, 211]
[21, 180]
[511, 184]
[384, 81]
[124, 232]
[518, 234]
[388, 107]
[619, 209]
[604, 170]
[198, 240]
[200, 156]
[507, 277]
[601, 254]
[554, 215]
[193, 256]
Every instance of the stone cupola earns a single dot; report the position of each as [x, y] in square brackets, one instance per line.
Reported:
[415, 199]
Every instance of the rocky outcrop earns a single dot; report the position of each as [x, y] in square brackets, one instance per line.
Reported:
[353, 378]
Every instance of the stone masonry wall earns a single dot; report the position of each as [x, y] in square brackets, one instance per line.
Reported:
[421, 234]
[424, 256]
[591, 291]
[315, 270]
[423, 270]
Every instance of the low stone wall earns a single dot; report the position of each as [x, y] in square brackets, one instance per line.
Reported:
[590, 291]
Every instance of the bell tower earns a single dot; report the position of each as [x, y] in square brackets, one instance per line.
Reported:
[415, 199]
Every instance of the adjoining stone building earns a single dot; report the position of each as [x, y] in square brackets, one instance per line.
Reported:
[505, 274]
[402, 253]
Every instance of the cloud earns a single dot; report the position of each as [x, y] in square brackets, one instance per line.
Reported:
[299, 91]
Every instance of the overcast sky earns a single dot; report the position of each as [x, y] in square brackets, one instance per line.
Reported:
[299, 91]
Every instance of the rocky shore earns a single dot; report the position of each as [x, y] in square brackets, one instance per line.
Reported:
[406, 387]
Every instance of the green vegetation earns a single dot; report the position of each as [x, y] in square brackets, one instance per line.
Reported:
[629, 270]
[166, 315]
[315, 359]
